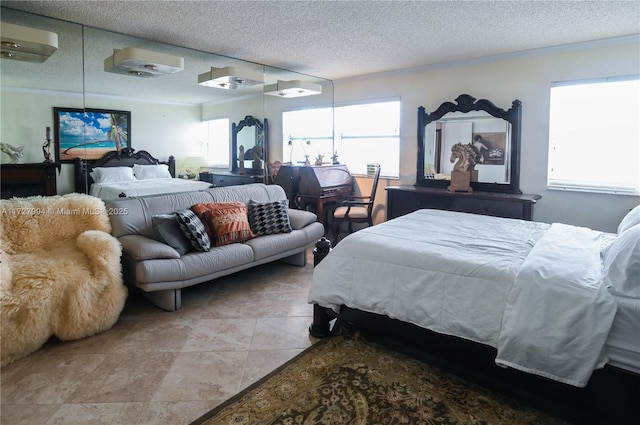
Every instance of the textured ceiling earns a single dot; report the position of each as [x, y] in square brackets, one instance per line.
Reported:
[338, 39]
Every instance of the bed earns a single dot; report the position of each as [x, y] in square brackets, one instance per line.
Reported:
[126, 173]
[554, 300]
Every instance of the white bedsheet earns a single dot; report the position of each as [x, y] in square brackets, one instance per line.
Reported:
[623, 342]
[430, 268]
[145, 187]
[445, 271]
[559, 312]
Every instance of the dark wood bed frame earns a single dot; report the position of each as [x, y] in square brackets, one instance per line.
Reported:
[609, 397]
[124, 158]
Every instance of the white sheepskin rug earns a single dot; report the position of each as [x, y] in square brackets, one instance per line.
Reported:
[61, 272]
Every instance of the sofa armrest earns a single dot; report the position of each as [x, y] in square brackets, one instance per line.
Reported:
[143, 248]
[300, 218]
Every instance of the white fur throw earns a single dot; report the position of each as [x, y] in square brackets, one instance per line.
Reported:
[61, 272]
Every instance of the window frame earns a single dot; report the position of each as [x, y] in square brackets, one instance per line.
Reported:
[562, 179]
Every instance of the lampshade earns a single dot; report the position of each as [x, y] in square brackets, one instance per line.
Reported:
[230, 78]
[294, 88]
[27, 44]
[142, 63]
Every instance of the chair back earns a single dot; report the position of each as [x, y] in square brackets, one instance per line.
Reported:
[374, 188]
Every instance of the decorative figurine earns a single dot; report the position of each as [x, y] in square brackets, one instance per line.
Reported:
[46, 147]
[319, 159]
[334, 158]
[16, 153]
[241, 160]
[467, 156]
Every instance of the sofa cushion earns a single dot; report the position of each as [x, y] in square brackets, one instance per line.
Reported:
[300, 218]
[167, 230]
[267, 218]
[225, 222]
[194, 229]
[143, 248]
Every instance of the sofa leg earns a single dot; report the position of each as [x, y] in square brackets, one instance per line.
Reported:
[299, 259]
[168, 299]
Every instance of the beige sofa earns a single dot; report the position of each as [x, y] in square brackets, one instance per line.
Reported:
[160, 271]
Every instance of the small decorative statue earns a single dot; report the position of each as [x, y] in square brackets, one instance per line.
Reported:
[16, 153]
[46, 147]
[467, 156]
[306, 160]
[334, 158]
[319, 159]
[241, 160]
[256, 153]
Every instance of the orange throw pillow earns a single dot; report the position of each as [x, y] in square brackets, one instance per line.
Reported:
[225, 222]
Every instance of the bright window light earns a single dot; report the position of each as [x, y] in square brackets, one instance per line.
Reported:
[366, 133]
[218, 143]
[594, 136]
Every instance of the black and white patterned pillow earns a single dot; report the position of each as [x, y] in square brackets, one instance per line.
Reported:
[267, 218]
[194, 230]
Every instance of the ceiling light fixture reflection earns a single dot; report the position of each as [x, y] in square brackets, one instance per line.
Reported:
[27, 44]
[142, 63]
[294, 88]
[230, 78]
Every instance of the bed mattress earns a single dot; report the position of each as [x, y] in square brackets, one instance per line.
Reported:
[623, 341]
[532, 290]
[145, 187]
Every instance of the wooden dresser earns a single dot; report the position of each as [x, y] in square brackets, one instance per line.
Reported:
[220, 179]
[405, 199]
[20, 180]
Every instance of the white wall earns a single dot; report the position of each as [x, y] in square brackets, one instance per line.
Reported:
[526, 78]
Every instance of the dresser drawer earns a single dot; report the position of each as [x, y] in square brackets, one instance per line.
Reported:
[402, 200]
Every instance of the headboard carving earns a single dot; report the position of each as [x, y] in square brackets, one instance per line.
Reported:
[126, 157]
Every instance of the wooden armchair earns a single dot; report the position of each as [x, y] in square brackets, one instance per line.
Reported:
[356, 209]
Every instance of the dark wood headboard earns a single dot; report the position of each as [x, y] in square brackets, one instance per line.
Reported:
[125, 158]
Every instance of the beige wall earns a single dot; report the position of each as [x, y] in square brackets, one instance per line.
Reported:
[523, 77]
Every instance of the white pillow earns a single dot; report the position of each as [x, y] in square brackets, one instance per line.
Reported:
[146, 172]
[112, 174]
[621, 261]
[631, 219]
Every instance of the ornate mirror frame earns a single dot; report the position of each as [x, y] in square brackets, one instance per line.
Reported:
[466, 103]
[261, 141]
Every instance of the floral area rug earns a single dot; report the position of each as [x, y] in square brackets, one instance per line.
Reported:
[345, 380]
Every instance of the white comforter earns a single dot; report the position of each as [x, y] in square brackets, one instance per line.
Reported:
[454, 273]
[145, 187]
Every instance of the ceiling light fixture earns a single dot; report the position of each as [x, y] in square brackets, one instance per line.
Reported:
[142, 63]
[230, 78]
[27, 44]
[295, 88]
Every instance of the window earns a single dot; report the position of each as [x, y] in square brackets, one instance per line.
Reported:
[369, 134]
[594, 136]
[307, 134]
[218, 143]
[364, 134]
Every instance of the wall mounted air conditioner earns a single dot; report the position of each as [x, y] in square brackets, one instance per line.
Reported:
[142, 63]
[27, 44]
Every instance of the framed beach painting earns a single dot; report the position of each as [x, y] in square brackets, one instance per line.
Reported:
[89, 133]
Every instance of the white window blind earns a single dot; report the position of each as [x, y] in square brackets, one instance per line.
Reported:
[366, 133]
[594, 136]
[218, 149]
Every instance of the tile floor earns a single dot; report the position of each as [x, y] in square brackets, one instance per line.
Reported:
[156, 367]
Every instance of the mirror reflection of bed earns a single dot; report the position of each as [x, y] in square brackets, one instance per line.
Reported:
[125, 173]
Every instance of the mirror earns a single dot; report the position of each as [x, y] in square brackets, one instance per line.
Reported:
[249, 146]
[495, 132]
[167, 113]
